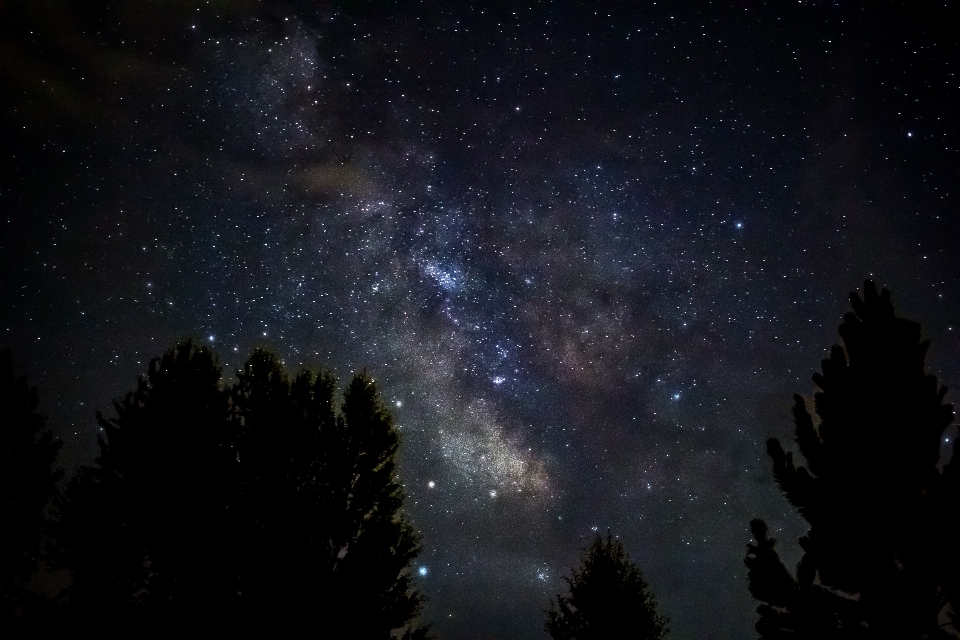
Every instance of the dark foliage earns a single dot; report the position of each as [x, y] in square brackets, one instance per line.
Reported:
[145, 532]
[376, 544]
[258, 510]
[326, 543]
[608, 598]
[280, 487]
[27, 483]
[880, 556]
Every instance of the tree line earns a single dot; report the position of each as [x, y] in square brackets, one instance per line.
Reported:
[272, 507]
[263, 508]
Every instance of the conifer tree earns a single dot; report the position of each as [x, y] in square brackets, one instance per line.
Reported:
[27, 483]
[326, 541]
[144, 531]
[880, 556]
[608, 598]
[281, 487]
[260, 510]
[373, 548]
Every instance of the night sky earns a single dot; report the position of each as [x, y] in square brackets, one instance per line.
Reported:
[588, 250]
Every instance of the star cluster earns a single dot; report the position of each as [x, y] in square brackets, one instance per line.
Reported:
[588, 250]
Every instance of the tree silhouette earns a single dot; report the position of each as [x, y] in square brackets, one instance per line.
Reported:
[280, 508]
[376, 544]
[261, 510]
[27, 483]
[880, 557]
[608, 598]
[145, 530]
[327, 543]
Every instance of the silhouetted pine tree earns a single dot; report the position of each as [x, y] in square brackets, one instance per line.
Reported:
[880, 557]
[371, 552]
[608, 598]
[145, 532]
[281, 510]
[27, 483]
[326, 543]
[262, 511]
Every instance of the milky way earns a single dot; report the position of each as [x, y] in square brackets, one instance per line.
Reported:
[588, 251]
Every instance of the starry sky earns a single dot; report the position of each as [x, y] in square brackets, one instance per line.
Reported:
[588, 250]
